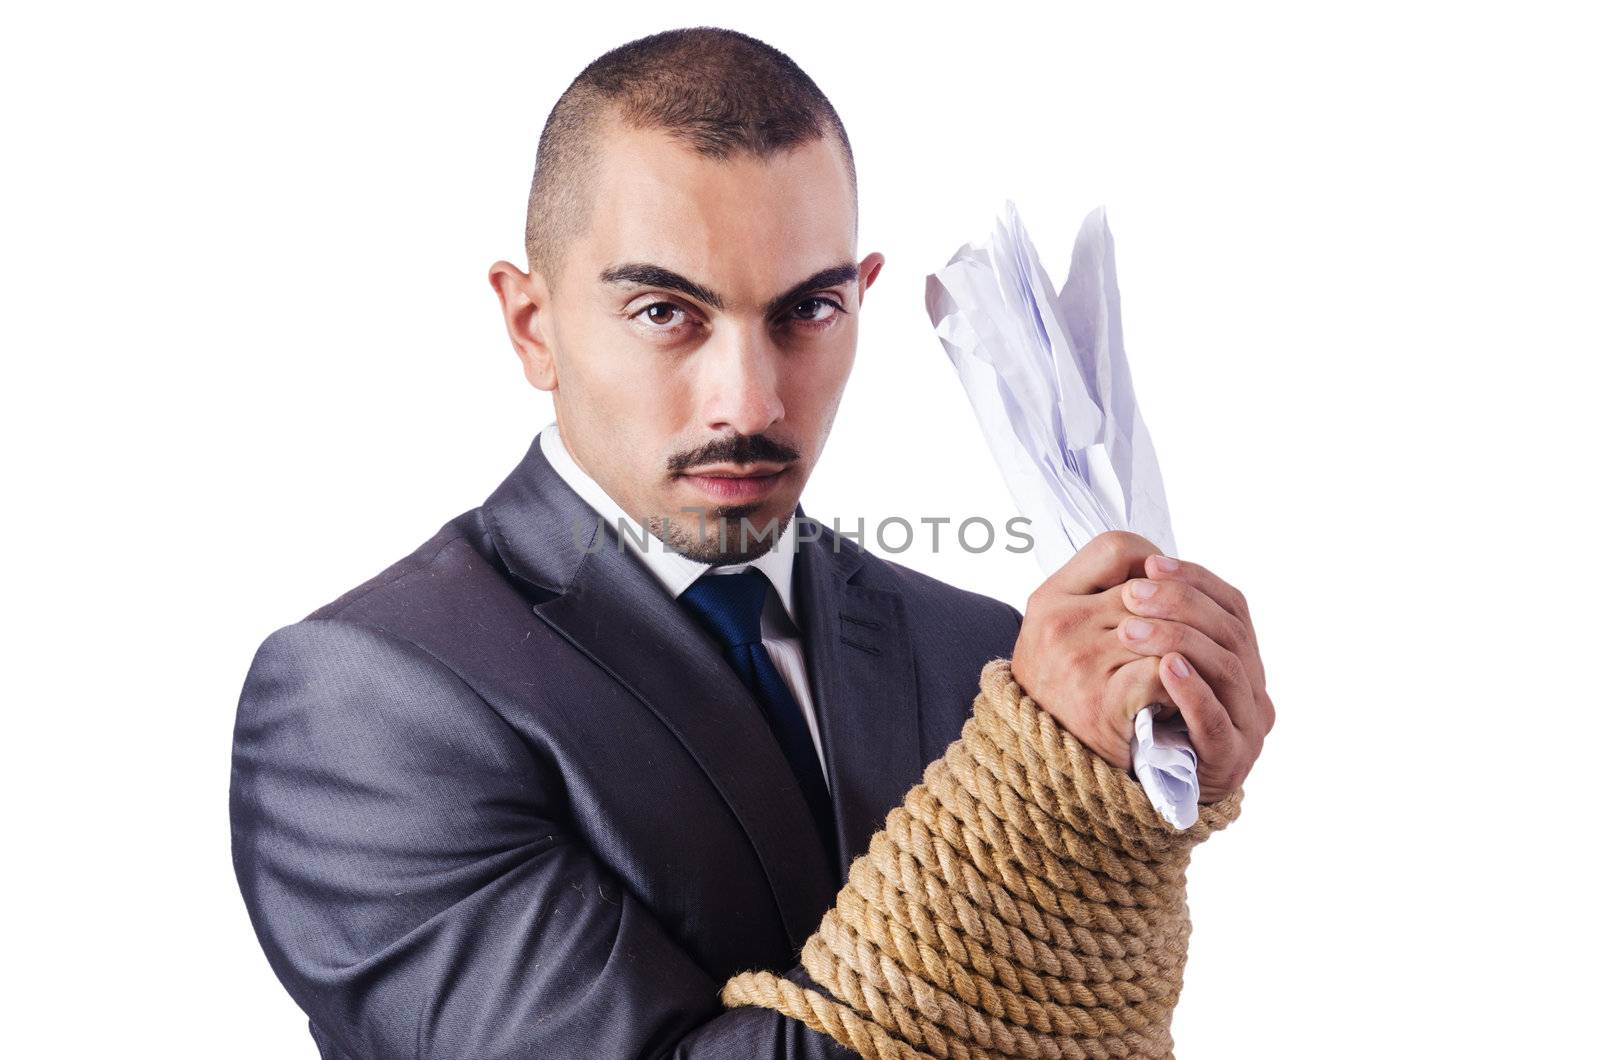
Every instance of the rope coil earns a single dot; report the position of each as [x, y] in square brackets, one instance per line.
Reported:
[1025, 900]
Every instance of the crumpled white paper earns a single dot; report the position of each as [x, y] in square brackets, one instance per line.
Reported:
[1049, 381]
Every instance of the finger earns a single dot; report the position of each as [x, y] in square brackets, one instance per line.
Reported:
[1127, 689]
[1191, 573]
[1182, 602]
[1222, 670]
[1211, 730]
[1108, 559]
[1134, 685]
[1175, 596]
[1132, 682]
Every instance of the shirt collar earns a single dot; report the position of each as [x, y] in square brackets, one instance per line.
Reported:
[674, 570]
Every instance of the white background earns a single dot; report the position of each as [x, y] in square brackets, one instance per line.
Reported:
[251, 357]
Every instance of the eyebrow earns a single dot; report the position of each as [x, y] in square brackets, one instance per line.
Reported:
[644, 274]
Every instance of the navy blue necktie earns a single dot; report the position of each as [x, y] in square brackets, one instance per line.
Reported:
[729, 606]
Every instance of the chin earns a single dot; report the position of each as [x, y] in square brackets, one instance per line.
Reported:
[729, 533]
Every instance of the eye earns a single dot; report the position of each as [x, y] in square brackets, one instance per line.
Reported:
[816, 311]
[660, 315]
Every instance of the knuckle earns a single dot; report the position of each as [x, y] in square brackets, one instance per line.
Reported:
[1061, 623]
[1170, 636]
[1233, 670]
[1124, 546]
[1238, 633]
[1185, 600]
[1101, 548]
[1216, 725]
[1076, 659]
[1120, 540]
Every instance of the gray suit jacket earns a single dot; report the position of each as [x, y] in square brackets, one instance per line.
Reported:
[506, 799]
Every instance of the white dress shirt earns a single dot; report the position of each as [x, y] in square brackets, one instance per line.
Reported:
[780, 631]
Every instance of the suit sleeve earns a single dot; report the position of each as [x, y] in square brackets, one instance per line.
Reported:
[413, 890]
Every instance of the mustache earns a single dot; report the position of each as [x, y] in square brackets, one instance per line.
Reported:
[735, 449]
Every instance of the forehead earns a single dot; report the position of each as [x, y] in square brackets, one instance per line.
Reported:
[744, 226]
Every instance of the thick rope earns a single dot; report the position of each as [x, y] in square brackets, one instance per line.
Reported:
[1025, 900]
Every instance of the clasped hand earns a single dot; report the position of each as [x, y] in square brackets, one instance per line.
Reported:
[1121, 626]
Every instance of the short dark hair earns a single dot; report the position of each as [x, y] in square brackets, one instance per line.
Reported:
[717, 90]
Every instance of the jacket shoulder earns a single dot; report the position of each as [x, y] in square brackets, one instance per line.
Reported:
[454, 566]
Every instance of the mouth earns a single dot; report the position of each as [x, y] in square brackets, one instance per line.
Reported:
[736, 483]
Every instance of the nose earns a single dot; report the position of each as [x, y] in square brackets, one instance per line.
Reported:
[741, 373]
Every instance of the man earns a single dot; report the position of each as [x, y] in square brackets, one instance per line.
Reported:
[540, 787]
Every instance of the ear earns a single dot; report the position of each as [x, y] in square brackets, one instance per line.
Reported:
[866, 272]
[524, 296]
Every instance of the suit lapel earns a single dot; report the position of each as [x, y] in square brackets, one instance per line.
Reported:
[863, 684]
[611, 608]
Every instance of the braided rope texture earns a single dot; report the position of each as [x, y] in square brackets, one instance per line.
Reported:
[1025, 900]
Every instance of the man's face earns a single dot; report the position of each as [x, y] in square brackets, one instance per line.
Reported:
[700, 335]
